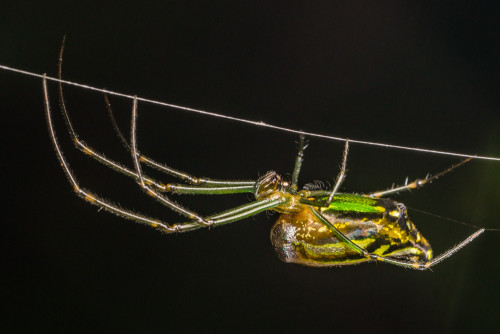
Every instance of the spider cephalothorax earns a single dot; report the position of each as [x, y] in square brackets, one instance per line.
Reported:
[269, 183]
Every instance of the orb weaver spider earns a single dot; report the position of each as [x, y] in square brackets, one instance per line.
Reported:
[315, 227]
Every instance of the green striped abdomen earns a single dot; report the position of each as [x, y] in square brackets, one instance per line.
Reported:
[381, 226]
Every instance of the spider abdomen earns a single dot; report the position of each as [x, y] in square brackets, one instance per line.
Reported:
[384, 230]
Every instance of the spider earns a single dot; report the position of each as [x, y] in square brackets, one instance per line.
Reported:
[315, 227]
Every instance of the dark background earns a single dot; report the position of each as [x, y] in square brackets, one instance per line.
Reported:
[391, 71]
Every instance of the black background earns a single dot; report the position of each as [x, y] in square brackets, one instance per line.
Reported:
[390, 71]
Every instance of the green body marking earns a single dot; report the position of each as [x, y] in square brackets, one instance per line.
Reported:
[378, 225]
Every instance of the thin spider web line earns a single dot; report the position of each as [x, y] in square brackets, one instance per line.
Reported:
[247, 121]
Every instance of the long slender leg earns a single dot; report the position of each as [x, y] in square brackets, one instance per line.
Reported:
[419, 183]
[412, 185]
[82, 146]
[150, 191]
[341, 176]
[245, 208]
[401, 263]
[298, 163]
[208, 190]
[88, 196]
[114, 123]
[219, 187]
[235, 214]
[217, 219]
[201, 181]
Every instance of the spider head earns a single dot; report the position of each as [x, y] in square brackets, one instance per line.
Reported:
[268, 184]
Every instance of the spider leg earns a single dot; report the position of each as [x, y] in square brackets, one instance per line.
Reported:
[232, 215]
[298, 163]
[330, 193]
[218, 187]
[341, 175]
[200, 181]
[419, 182]
[225, 217]
[397, 262]
[86, 195]
[82, 146]
[149, 190]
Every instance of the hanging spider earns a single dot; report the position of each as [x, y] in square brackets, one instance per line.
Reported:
[315, 228]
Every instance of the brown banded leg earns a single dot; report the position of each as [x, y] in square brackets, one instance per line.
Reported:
[217, 186]
[225, 217]
[163, 199]
[341, 175]
[199, 181]
[419, 183]
[298, 163]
